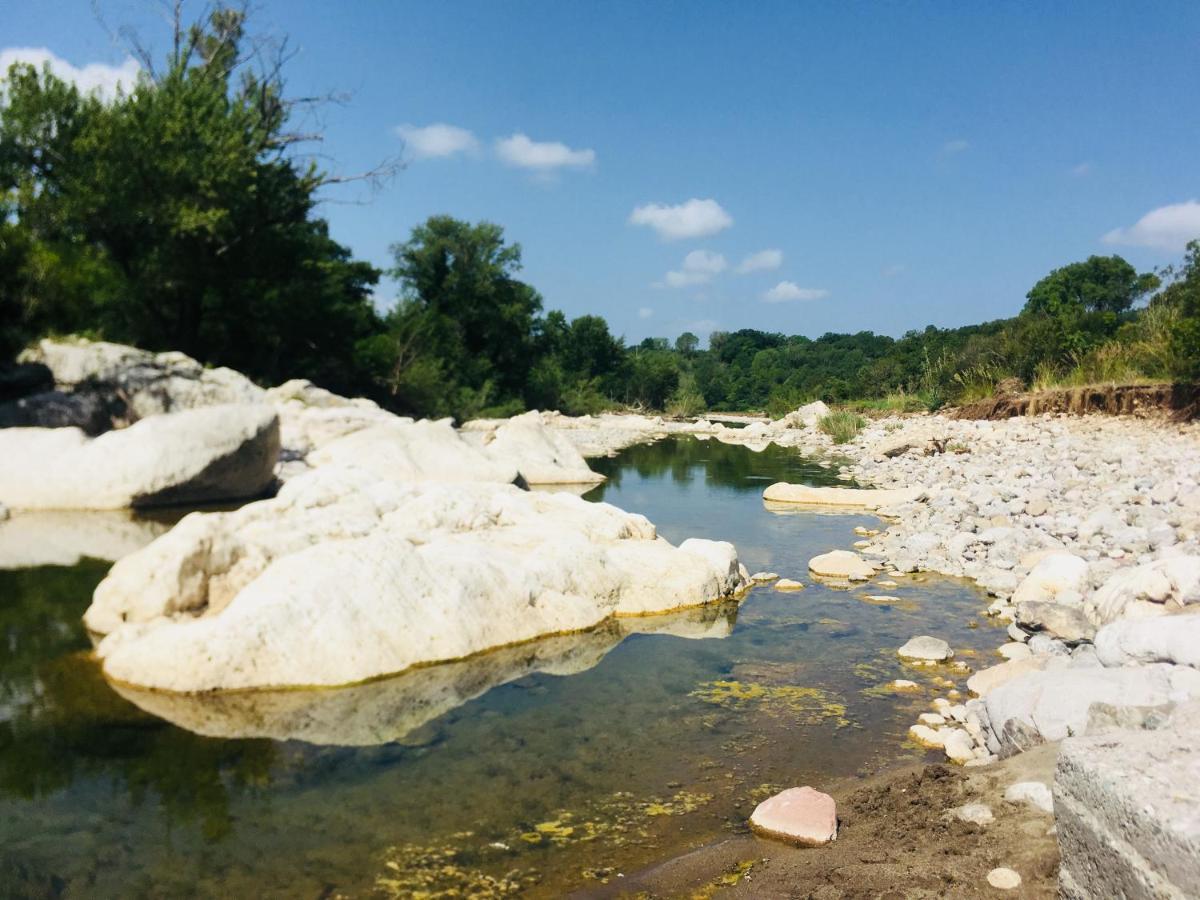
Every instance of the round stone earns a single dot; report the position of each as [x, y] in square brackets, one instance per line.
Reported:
[1004, 879]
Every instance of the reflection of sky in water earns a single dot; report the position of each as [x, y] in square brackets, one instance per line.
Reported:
[654, 743]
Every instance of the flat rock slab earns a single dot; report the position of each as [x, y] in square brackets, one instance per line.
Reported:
[841, 564]
[782, 492]
[799, 815]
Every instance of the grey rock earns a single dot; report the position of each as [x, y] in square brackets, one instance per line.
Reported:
[1104, 718]
[1169, 639]
[1062, 621]
[1126, 807]
[974, 813]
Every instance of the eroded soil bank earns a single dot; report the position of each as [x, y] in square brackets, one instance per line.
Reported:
[1179, 402]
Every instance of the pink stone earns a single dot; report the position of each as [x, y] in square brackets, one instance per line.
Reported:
[799, 815]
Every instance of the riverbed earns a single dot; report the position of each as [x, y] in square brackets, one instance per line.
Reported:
[534, 770]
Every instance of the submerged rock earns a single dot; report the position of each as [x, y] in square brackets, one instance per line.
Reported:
[212, 453]
[799, 815]
[926, 648]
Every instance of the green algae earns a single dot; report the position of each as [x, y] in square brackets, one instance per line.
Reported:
[805, 705]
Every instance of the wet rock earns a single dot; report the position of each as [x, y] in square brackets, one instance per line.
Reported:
[841, 564]
[958, 745]
[926, 648]
[764, 577]
[788, 584]
[799, 815]
[1033, 793]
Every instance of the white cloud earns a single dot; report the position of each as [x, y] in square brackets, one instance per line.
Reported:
[699, 267]
[693, 219]
[786, 291]
[762, 260]
[1084, 168]
[94, 77]
[955, 146]
[437, 140]
[645, 312]
[1166, 228]
[542, 156]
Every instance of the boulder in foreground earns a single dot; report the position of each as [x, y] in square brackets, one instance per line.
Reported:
[343, 578]
[195, 456]
[799, 815]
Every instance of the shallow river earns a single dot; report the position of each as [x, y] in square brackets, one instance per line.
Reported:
[542, 769]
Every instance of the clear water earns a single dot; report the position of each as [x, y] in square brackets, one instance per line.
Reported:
[539, 770]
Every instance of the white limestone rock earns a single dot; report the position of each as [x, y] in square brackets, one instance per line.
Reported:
[203, 454]
[344, 577]
[1054, 575]
[147, 384]
[926, 648]
[1152, 589]
[782, 492]
[1169, 639]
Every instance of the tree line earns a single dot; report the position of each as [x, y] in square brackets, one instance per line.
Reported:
[183, 215]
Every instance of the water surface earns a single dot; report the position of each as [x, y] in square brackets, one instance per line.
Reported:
[537, 770]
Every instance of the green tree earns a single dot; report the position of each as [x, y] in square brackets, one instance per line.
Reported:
[1101, 284]
[180, 217]
[464, 310]
[687, 344]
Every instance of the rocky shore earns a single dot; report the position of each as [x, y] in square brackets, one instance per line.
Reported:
[381, 544]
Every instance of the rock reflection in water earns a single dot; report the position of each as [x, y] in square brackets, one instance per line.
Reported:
[64, 537]
[390, 709]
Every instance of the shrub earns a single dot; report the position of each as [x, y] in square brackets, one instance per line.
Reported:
[843, 425]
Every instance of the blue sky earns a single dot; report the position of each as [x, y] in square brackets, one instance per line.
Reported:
[907, 163]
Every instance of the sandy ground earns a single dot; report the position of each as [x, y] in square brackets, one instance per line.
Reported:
[896, 840]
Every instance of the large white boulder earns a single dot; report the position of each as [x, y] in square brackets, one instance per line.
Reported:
[311, 417]
[345, 577]
[414, 451]
[145, 383]
[204, 454]
[542, 455]
[1168, 639]
[1163, 586]
[806, 416]
[1054, 703]
[1057, 575]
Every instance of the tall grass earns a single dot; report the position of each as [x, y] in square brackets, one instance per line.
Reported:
[978, 382]
[842, 425]
[687, 401]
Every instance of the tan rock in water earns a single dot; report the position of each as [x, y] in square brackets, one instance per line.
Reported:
[782, 492]
[841, 564]
[799, 815]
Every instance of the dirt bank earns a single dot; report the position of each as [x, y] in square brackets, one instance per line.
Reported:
[1180, 402]
[897, 839]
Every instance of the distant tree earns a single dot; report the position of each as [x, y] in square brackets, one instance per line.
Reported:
[686, 344]
[1099, 284]
[464, 309]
